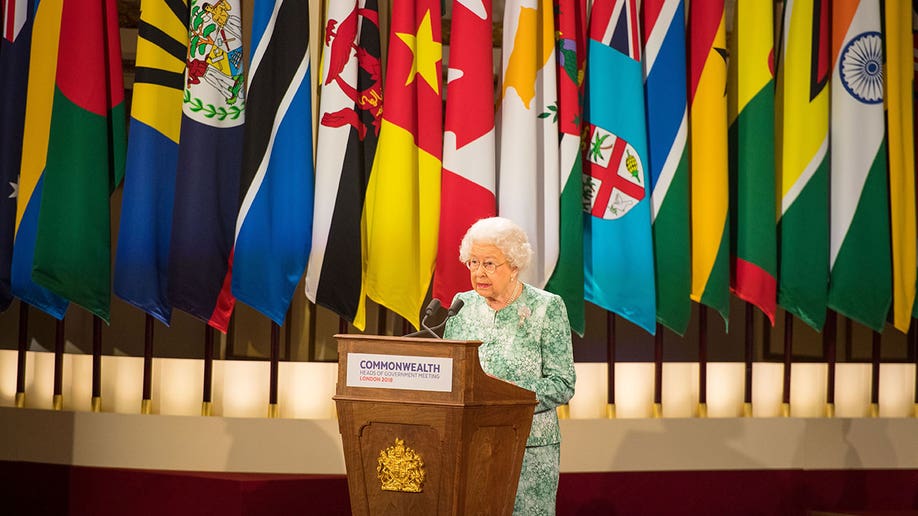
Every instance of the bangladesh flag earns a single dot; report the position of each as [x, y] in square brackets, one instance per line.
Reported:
[85, 162]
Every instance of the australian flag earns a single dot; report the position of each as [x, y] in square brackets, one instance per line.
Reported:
[14, 77]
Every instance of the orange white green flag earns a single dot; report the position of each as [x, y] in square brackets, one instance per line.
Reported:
[802, 105]
[708, 143]
[860, 284]
[528, 177]
[901, 132]
[403, 197]
[751, 100]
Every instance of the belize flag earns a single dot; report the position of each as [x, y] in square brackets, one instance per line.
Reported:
[209, 164]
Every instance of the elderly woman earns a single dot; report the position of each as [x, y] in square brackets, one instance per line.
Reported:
[526, 340]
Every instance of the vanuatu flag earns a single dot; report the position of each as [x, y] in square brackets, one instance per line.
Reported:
[802, 105]
[142, 259]
[710, 174]
[618, 246]
[403, 198]
[752, 156]
[14, 79]
[667, 136]
[85, 159]
[900, 59]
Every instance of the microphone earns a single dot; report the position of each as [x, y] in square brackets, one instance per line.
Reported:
[432, 307]
[453, 310]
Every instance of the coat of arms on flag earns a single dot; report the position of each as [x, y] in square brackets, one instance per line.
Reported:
[215, 57]
[613, 182]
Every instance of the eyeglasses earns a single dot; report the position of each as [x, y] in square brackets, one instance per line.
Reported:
[489, 267]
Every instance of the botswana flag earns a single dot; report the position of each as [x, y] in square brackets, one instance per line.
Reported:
[274, 226]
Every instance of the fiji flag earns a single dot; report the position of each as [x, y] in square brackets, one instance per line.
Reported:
[141, 265]
[274, 227]
[14, 74]
[209, 163]
[46, 34]
[618, 247]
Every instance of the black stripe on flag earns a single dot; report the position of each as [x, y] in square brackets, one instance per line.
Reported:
[160, 77]
[162, 40]
[180, 9]
[340, 278]
[288, 44]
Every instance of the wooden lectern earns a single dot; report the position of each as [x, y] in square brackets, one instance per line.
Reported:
[425, 430]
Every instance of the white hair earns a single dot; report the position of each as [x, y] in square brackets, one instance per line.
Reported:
[504, 234]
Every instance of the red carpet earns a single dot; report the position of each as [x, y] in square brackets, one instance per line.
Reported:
[44, 489]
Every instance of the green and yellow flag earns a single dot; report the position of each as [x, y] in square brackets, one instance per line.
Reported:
[802, 105]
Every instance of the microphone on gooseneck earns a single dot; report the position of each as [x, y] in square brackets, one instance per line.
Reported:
[432, 307]
[453, 310]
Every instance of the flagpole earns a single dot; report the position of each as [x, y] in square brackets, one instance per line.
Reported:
[96, 364]
[750, 353]
[381, 320]
[610, 373]
[311, 310]
[702, 361]
[146, 402]
[875, 377]
[342, 325]
[207, 398]
[273, 409]
[829, 350]
[913, 333]
[658, 372]
[58, 399]
[788, 350]
[23, 353]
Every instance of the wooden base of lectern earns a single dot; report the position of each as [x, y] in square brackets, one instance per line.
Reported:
[409, 450]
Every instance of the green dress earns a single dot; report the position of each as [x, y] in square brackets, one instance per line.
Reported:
[527, 343]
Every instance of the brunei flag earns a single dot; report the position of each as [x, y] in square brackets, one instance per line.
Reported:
[351, 113]
[209, 164]
[710, 174]
[860, 284]
[752, 156]
[618, 246]
[142, 259]
[274, 228]
[85, 160]
[528, 178]
[467, 183]
[667, 137]
[567, 278]
[900, 58]
[17, 16]
[45, 36]
[403, 197]
[802, 105]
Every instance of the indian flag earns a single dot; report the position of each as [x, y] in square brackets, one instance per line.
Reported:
[860, 285]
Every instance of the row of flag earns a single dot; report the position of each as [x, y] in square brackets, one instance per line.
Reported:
[651, 160]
